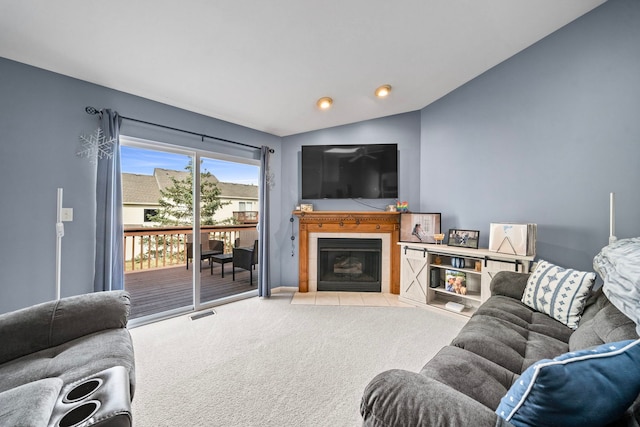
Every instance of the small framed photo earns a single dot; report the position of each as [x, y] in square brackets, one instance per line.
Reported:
[455, 281]
[419, 227]
[464, 238]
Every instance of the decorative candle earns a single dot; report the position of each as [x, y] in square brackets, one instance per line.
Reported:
[611, 214]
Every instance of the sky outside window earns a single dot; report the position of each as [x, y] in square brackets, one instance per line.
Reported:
[142, 162]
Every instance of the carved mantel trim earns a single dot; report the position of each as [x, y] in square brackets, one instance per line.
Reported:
[348, 222]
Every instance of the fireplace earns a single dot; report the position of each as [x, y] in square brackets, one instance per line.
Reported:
[316, 225]
[346, 264]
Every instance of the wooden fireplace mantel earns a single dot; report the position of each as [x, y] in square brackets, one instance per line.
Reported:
[348, 222]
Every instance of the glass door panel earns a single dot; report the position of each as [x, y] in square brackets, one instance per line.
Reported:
[228, 218]
[158, 238]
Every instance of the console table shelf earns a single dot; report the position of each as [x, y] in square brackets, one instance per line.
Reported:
[421, 264]
[471, 295]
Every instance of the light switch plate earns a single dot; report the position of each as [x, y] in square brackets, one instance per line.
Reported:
[66, 214]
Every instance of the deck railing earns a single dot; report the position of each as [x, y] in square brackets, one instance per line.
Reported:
[155, 247]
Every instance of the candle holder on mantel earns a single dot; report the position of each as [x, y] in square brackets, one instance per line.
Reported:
[438, 238]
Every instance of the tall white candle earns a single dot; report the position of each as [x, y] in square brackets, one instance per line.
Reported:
[58, 242]
[611, 214]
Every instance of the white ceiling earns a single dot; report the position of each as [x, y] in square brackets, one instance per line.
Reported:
[263, 64]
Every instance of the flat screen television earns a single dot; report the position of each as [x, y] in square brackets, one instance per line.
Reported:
[350, 171]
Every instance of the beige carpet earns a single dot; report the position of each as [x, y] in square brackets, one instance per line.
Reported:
[371, 299]
[267, 362]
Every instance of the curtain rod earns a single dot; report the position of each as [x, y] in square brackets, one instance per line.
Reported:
[94, 111]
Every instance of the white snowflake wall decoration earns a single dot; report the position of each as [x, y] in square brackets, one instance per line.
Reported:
[270, 180]
[96, 146]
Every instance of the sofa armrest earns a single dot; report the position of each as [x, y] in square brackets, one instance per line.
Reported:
[509, 283]
[29, 404]
[402, 398]
[52, 323]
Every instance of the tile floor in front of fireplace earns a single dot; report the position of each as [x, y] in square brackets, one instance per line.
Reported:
[371, 299]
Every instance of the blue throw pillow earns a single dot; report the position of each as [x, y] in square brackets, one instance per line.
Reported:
[582, 388]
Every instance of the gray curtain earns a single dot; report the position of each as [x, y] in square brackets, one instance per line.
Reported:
[266, 180]
[109, 268]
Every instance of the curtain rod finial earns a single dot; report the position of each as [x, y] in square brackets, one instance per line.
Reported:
[91, 110]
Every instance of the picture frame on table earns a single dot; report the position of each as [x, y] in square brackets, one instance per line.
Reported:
[455, 281]
[464, 238]
[419, 227]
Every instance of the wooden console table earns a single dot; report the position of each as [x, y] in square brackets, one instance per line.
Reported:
[419, 262]
[349, 222]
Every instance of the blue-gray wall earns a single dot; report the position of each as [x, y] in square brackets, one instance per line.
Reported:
[41, 118]
[545, 137]
[401, 129]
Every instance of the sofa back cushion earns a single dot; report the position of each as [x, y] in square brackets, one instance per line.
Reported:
[601, 323]
[52, 323]
[595, 302]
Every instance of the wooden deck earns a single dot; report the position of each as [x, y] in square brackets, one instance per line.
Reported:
[162, 289]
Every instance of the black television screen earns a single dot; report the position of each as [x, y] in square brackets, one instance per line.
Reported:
[350, 171]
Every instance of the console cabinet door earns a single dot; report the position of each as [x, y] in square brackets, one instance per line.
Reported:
[491, 269]
[414, 273]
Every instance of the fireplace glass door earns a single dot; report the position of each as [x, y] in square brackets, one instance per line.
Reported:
[349, 265]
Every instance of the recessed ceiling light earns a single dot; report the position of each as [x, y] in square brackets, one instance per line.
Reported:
[324, 103]
[383, 91]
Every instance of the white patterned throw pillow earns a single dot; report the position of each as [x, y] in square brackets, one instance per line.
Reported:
[559, 292]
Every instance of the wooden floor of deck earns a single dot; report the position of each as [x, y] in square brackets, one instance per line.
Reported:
[162, 289]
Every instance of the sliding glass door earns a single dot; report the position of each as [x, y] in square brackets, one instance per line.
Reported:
[170, 265]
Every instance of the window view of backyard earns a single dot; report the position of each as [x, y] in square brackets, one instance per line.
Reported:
[157, 193]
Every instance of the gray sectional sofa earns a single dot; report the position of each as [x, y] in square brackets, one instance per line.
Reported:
[77, 343]
[464, 383]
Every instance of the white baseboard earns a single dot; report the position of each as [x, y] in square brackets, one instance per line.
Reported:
[279, 289]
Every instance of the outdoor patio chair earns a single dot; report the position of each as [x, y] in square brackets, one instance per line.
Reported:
[212, 247]
[246, 259]
[245, 238]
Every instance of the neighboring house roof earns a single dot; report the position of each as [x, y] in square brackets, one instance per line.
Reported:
[238, 191]
[140, 189]
[145, 189]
